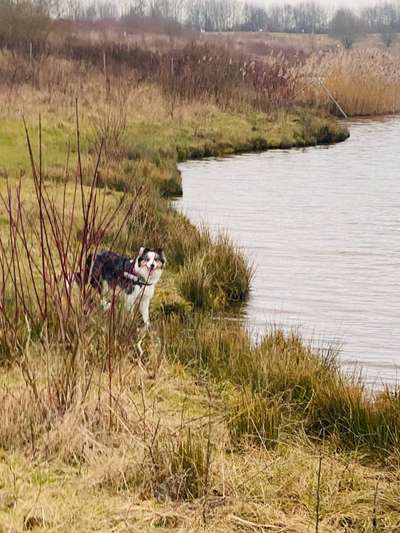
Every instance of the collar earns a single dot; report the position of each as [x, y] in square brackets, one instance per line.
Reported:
[137, 279]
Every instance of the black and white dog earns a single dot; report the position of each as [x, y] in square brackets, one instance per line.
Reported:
[132, 278]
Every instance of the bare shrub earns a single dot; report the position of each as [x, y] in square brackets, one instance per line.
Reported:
[45, 246]
[346, 26]
[110, 132]
[388, 37]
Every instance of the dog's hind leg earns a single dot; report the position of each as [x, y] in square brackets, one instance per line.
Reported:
[104, 289]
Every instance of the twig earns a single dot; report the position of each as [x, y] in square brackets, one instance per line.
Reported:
[374, 517]
[327, 91]
[317, 508]
[248, 523]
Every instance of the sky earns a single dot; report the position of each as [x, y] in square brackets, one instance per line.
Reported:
[333, 3]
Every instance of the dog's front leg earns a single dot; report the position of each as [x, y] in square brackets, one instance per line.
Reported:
[130, 300]
[144, 309]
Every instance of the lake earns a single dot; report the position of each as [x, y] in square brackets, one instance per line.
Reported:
[322, 227]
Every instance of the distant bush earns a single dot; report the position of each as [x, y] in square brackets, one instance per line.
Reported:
[388, 37]
[346, 26]
[198, 71]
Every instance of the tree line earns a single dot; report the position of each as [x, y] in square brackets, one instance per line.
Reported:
[229, 15]
[208, 16]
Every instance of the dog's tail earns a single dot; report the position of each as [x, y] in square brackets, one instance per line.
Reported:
[88, 268]
[80, 278]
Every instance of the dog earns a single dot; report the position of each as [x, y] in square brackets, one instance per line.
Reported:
[132, 278]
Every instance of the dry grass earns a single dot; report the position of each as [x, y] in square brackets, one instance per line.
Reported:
[260, 43]
[206, 285]
[91, 422]
[150, 468]
[286, 386]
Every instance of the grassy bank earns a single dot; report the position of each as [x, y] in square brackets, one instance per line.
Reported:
[151, 149]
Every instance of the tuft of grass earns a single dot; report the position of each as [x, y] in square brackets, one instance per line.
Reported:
[180, 468]
[354, 419]
[255, 419]
[216, 277]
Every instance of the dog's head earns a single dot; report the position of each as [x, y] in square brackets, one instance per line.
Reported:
[150, 263]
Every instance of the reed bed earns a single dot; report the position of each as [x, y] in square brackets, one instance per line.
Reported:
[194, 72]
[363, 81]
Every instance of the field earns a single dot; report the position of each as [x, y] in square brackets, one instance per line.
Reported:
[259, 42]
[189, 426]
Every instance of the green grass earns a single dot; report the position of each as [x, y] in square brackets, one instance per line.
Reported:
[206, 285]
[221, 133]
[15, 157]
[152, 148]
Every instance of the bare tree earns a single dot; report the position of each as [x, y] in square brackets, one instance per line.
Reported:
[282, 18]
[137, 8]
[309, 17]
[23, 22]
[254, 18]
[380, 17]
[345, 26]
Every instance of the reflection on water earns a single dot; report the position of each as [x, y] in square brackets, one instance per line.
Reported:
[322, 226]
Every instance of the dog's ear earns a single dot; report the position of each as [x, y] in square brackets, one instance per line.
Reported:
[142, 251]
[161, 253]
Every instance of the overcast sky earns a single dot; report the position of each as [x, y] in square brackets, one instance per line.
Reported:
[329, 3]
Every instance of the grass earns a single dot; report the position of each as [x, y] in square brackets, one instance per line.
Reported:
[151, 150]
[86, 478]
[190, 426]
[283, 379]
[206, 285]
[260, 43]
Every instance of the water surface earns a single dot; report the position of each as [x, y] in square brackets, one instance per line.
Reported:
[322, 226]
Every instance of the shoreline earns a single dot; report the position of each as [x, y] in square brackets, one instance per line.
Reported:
[282, 131]
[356, 344]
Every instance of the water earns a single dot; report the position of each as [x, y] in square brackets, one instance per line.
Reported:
[322, 226]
